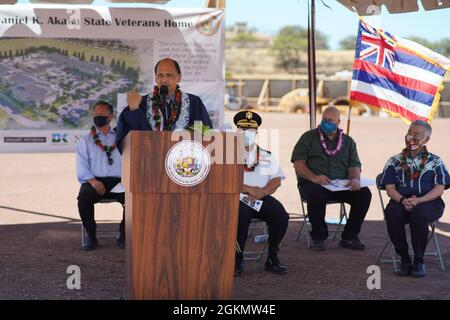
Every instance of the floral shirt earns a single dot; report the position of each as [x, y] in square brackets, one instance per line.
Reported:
[433, 173]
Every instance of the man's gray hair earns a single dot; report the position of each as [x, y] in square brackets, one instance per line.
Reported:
[424, 125]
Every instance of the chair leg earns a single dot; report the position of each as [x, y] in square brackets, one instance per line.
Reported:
[438, 252]
[304, 225]
[381, 253]
[265, 248]
[257, 255]
[342, 214]
[393, 255]
[83, 234]
[301, 229]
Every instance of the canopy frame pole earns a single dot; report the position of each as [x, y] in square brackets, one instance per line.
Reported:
[312, 81]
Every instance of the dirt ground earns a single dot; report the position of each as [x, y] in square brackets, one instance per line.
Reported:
[40, 230]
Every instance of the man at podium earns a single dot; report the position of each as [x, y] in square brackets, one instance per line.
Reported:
[167, 108]
[262, 177]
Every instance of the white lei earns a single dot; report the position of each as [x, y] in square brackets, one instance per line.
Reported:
[183, 119]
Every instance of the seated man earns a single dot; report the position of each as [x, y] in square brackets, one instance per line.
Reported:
[179, 111]
[98, 170]
[262, 177]
[414, 180]
[320, 156]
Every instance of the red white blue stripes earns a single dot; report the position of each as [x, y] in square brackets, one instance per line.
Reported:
[397, 75]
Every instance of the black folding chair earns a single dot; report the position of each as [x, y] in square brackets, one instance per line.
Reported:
[101, 233]
[342, 220]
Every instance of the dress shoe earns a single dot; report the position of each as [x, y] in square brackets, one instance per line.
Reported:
[418, 270]
[120, 241]
[238, 268]
[353, 244]
[273, 264]
[404, 269]
[88, 244]
[317, 245]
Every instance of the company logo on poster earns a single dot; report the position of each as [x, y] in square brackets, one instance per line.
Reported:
[59, 138]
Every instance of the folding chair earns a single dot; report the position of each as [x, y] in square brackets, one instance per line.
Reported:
[342, 220]
[101, 233]
[394, 259]
[261, 238]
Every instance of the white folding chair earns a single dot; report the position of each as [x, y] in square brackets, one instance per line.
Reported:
[394, 259]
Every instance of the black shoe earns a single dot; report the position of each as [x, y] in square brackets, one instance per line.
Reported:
[318, 245]
[353, 244]
[273, 264]
[238, 268]
[404, 269]
[88, 244]
[418, 270]
[120, 241]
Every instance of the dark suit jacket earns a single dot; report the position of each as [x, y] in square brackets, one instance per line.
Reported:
[137, 119]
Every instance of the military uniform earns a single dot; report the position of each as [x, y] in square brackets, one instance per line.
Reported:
[262, 168]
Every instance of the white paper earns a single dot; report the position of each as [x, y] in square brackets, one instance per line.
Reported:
[118, 188]
[254, 204]
[341, 184]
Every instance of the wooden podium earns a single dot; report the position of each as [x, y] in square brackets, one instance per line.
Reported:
[180, 241]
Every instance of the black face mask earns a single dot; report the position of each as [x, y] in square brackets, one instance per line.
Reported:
[100, 121]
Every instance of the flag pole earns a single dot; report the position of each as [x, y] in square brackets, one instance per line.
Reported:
[311, 64]
[349, 89]
[348, 120]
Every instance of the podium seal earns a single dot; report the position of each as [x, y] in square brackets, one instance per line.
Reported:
[188, 163]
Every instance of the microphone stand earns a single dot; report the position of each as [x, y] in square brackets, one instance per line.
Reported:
[163, 95]
[164, 109]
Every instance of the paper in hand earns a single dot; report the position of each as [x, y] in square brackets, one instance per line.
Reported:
[118, 188]
[342, 184]
[254, 204]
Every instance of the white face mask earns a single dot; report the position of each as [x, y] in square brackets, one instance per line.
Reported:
[250, 137]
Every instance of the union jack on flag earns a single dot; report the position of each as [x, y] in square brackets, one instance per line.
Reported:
[397, 75]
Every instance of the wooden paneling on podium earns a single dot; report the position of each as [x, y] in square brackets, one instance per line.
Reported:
[180, 240]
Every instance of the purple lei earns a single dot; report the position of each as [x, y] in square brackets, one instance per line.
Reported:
[323, 144]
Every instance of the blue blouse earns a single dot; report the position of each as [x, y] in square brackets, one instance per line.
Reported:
[434, 173]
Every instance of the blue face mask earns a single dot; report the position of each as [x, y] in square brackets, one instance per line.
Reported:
[327, 127]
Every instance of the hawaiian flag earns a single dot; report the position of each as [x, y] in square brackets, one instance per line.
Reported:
[397, 75]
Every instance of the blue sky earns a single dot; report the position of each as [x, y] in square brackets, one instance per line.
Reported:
[269, 16]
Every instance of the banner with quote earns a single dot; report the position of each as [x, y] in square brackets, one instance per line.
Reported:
[56, 62]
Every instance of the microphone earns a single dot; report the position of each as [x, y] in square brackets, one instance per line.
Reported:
[163, 91]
